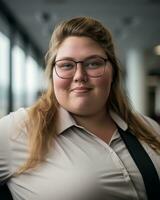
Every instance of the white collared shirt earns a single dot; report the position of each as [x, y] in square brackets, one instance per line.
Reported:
[80, 166]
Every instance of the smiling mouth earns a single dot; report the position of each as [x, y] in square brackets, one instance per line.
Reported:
[81, 90]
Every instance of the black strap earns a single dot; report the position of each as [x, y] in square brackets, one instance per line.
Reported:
[144, 164]
[5, 193]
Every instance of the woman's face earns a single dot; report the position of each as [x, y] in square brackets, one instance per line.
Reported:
[82, 95]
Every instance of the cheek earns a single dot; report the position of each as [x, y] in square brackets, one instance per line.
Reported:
[60, 85]
[104, 84]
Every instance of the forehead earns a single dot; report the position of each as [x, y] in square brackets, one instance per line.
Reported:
[79, 47]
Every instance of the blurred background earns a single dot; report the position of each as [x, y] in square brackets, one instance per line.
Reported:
[26, 28]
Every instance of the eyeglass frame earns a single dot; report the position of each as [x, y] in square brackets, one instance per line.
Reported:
[76, 62]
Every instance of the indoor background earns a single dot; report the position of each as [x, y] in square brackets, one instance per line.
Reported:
[25, 30]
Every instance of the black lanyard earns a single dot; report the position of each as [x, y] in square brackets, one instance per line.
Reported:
[144, 164]
[5, 193]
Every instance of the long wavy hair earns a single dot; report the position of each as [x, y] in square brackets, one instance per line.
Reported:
[43, 114]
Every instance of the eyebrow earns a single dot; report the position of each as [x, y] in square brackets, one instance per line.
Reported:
[91, 56]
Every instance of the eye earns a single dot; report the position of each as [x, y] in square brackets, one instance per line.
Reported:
[65, 64]
[94, 63]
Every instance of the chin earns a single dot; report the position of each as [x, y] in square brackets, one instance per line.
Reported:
[82, 111]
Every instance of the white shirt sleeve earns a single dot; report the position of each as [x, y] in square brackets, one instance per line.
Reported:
[5, 129]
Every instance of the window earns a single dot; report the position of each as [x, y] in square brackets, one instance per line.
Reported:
[18, 77]
[4, 73]
[33, 80]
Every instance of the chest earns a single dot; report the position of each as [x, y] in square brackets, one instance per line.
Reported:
[83, 167]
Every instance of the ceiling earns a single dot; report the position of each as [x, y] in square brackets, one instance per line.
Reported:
[134, 23]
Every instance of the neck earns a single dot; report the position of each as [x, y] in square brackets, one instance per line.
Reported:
[100, 124]
[90, 120]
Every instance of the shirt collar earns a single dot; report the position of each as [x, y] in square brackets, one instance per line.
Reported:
[65, 120]
[119, 121]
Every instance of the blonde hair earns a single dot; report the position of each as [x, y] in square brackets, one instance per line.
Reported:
[43, 114]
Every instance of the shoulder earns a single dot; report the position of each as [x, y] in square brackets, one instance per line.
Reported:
[12, 121]
[9, 126]
[12, 124]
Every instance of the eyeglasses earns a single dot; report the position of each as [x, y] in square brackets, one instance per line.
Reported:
[94, 67]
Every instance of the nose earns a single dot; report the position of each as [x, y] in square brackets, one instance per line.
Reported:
[80, 74]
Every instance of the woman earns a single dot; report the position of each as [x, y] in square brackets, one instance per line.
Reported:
[68, 144]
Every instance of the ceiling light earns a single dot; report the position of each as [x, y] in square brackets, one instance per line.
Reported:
[157, 50]
[55, 1]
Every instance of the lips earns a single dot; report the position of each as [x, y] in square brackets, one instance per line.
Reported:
[81, 89]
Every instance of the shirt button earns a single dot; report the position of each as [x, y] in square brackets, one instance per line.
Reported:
[125, 175]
